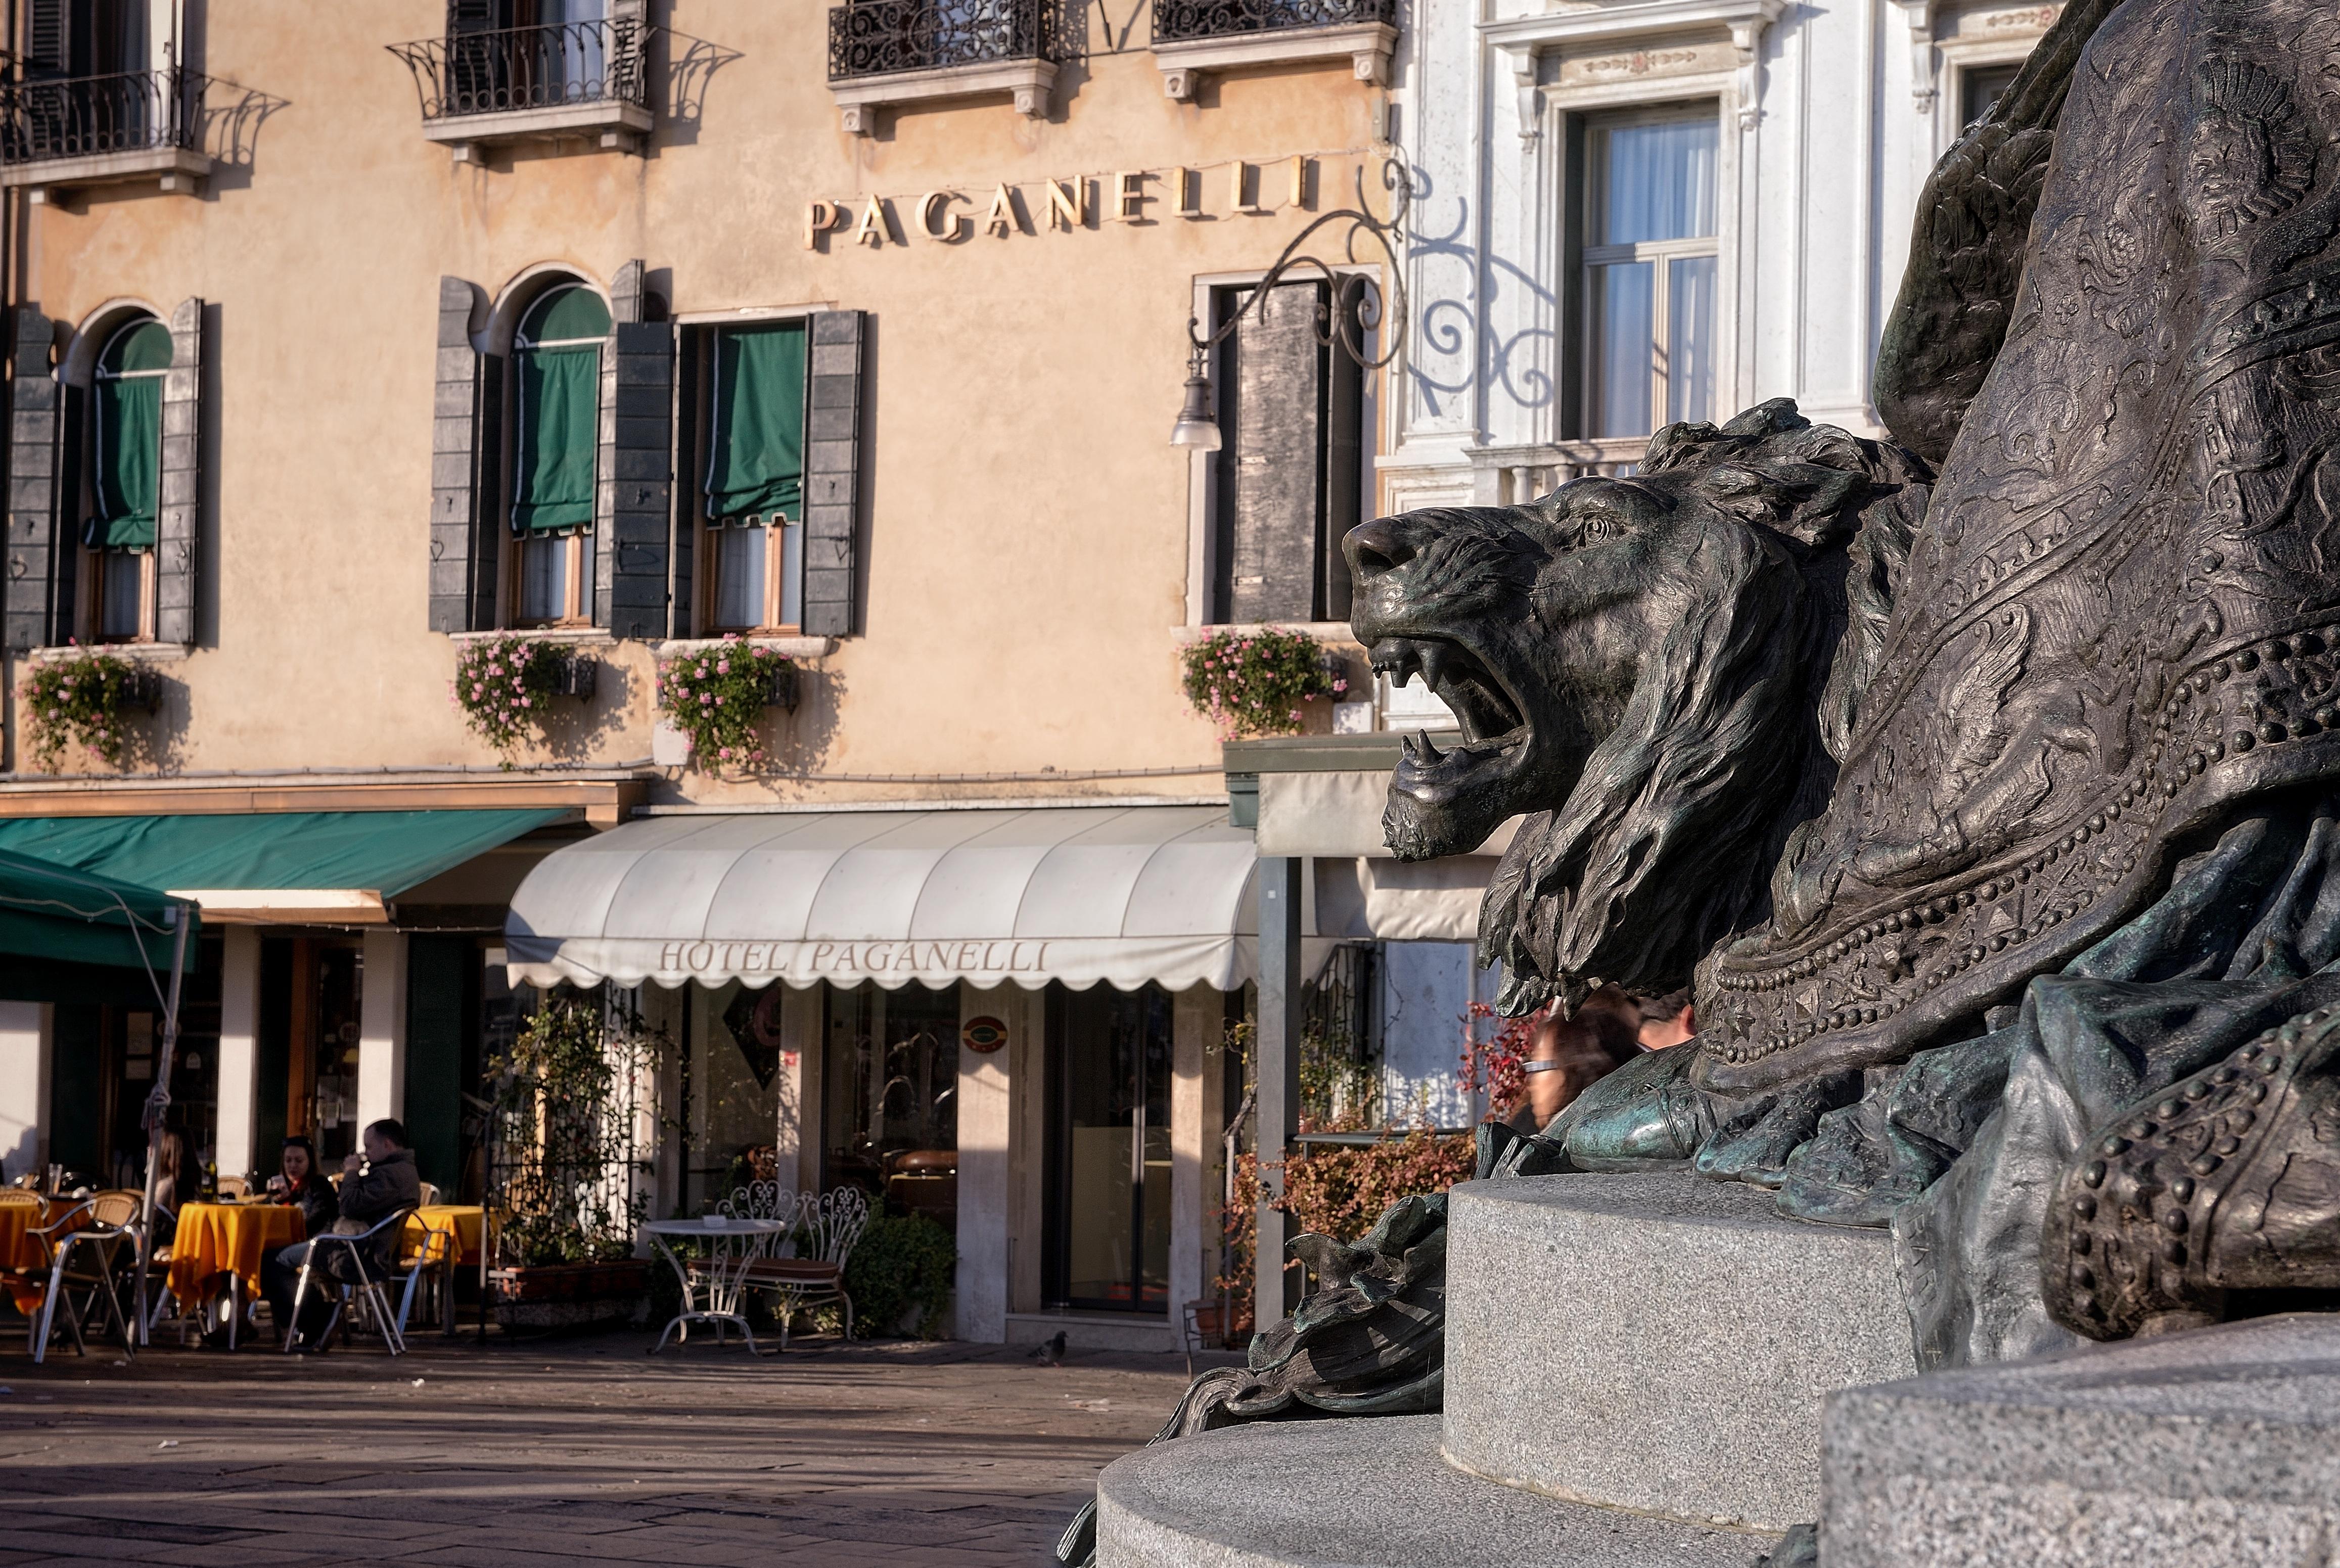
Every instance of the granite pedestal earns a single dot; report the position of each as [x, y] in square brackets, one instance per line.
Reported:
[2217, 1448]
[1659, 1342]
[1635, 1366]
[1367, 1493]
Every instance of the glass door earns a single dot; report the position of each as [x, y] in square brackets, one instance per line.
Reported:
[1109, 1149]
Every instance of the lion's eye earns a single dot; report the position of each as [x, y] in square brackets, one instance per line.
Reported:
[1599, 528]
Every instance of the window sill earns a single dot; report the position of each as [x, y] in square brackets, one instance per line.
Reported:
[576, 636]
[1366, 45]
[178, 171]
[614, 124]
[1333, 632]
[142, 652]
[1025, 81]
[792, 646]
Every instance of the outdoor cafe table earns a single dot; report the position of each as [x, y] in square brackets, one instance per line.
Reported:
[468, 1223]
[722, 1275]
[230, 1239]
[21, 1252]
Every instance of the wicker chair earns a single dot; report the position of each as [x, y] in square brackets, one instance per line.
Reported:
[84, 1259]
[827, 1226]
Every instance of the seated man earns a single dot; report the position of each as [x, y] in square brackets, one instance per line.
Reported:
[373, 1185]
[1666, 1020]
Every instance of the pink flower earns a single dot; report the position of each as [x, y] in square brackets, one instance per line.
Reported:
[723, 667]
[531, 702]
[725, 753]
[704, 699]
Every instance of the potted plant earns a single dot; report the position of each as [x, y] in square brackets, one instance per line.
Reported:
[503, 686]
[87, 698]
[716, 696]
[1254, 683]
[565, 1168]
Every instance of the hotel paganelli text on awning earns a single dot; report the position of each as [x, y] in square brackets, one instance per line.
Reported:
[1070, 895]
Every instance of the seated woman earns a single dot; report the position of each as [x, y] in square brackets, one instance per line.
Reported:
[303, 1184]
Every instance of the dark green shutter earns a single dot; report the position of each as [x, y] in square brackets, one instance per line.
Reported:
[463, 543]
[35, 432]
[758, 462]
[633, 587]
[178, 529]
[833, 416]
[48, 38]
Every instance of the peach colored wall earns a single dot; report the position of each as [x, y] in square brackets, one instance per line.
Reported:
[1026, 548]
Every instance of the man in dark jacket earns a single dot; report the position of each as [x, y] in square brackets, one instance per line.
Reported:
[375, 1185]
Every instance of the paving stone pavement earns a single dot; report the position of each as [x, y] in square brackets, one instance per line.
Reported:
[564, 1451]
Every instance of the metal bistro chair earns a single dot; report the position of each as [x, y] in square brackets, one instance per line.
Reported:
[756, 1200]
[84, 1259]
[368, 1291]
[829, 1225]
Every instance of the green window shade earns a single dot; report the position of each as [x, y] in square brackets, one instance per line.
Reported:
[758, 466]
[560, 406]
[129, 455]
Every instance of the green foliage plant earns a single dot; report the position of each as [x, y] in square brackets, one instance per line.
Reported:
[1253, 683]
[900, 1263]
[571, 1179]
[503, 688]
[84, 699]
[717, 697]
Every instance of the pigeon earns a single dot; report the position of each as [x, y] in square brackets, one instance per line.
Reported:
[1051, 1352]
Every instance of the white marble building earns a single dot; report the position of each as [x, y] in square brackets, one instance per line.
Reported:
[1633, 211]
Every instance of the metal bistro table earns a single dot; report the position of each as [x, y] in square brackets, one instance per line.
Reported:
[723, 1274]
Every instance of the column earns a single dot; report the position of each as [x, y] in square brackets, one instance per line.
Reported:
[381, 1029]
[237, 1140]
[797, 1140]
[24, 1087]
[1196, 1021]
[1277, 1047]
[985, 1192]
[1027, 1013]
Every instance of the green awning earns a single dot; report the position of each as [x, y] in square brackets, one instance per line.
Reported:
[560, 422]
[129, 462]
[757, 466]
[381, 853]
[65, 927]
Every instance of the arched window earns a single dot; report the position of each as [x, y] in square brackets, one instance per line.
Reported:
[126, 477]
[557, 371]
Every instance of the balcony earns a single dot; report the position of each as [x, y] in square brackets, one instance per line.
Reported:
[1193, 38]
[561, 82]
[888, 53]
[65, 133]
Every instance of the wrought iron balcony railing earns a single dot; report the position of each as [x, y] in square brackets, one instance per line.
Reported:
[497, 71]
[879, 37]
[1190, 21]
[46, 119]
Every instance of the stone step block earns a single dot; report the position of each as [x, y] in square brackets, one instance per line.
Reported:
[2216, 1448]
[1368, 1492]
[1659, 1342]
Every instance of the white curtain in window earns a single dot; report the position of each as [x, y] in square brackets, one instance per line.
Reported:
[1624, 328]
[1689, 338]
[1657, 181]
[740, 578]
[544, 578]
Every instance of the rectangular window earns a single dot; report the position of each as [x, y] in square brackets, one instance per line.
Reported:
[751, 498]
[1289, 484]
[1650, 263]
[1980, 87]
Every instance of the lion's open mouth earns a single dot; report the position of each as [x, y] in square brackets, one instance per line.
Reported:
[1495, 732]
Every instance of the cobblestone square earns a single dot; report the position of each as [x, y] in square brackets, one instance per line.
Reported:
[576, 1450]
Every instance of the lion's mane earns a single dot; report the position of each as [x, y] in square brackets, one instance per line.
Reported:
[1666, 845]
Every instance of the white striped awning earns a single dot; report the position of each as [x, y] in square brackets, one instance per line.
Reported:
[1074, 895]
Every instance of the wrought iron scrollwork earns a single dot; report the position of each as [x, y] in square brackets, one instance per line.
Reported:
[502, 69]
[879, 37]
[1184, 20]
[1357, 311]
[83, 116]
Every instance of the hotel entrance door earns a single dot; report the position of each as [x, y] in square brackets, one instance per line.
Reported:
[1108, 1165]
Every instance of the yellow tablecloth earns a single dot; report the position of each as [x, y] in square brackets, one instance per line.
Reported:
[468, 1221]
[20, 1251]
[219, 1238]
